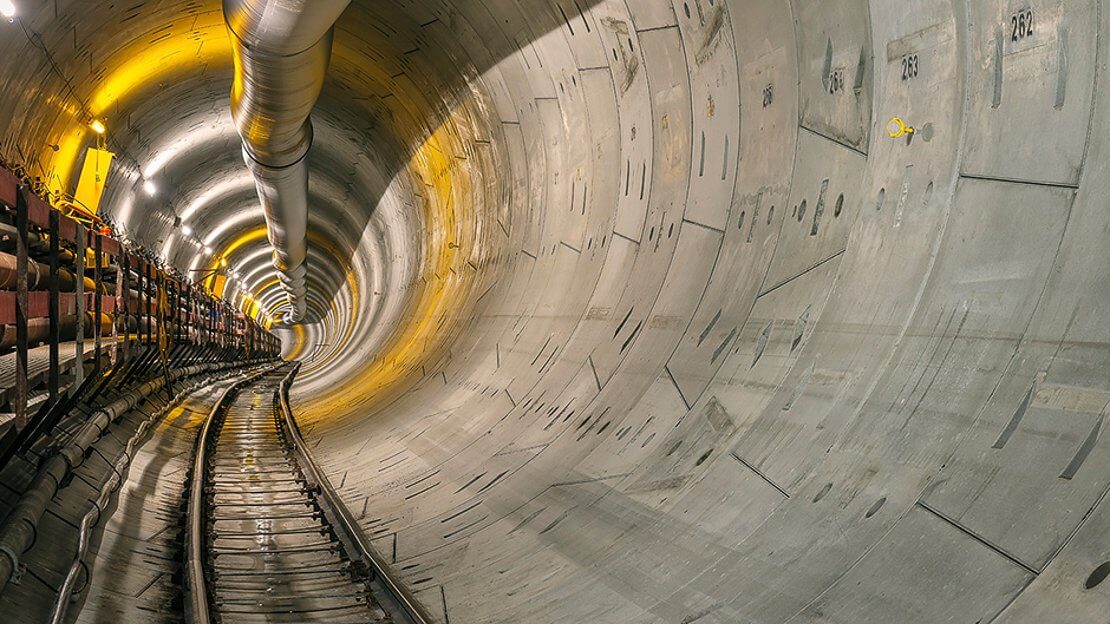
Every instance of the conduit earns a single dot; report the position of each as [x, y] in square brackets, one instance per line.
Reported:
[18, 532]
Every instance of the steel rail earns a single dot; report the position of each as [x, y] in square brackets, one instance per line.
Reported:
[68, 591]
[342, 521]
[196, 587]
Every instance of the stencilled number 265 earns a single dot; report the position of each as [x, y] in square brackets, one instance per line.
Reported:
[1021, 25]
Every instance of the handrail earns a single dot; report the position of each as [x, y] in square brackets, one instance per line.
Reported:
[195, 584]
[340, 517]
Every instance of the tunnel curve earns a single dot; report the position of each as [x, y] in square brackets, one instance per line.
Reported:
[643, 310]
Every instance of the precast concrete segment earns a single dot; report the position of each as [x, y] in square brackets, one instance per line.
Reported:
[644, 314]
[757, 360]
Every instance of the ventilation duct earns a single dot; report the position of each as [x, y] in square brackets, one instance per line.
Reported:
[281, 50]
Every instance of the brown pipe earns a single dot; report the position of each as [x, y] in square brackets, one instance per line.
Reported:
[38, 329]
[38, 276]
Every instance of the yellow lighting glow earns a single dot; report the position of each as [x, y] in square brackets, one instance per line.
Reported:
[204, 45]
[98, 126]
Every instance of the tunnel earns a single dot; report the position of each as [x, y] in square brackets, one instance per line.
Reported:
[616, 311]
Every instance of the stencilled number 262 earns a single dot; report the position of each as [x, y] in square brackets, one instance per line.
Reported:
[1021, 25]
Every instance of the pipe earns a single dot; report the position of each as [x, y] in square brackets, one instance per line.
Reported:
[18, 532]
[281, 50]
[38, 276]
[38, 329]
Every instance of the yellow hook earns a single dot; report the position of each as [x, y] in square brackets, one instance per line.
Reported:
[897, 128]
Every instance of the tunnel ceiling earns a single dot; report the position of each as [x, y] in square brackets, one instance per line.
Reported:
[660, 311]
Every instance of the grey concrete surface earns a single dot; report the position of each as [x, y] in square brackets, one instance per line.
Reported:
[134, 575]
[632, 311]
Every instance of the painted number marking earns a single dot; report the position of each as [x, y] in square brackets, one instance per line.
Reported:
[1021, 25]
[836, 81]
[909, 67]
[768, 95]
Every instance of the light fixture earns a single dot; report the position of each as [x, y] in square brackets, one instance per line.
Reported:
[7, 9]
[96, 125]
[207, 250]
[186, 229]
[150, 188]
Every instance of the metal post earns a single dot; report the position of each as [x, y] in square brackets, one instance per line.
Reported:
[55, 309]
[172, 291]
[190, 333]
[151, 300]
[21, 265]
[79, 345]
[98, 286]
[123, 287]
[140, 303]
[164, 340]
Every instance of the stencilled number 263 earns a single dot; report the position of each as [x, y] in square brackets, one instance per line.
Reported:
[909, 67]
[1021, 25]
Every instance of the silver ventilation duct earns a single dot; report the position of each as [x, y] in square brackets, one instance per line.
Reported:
[281, 50]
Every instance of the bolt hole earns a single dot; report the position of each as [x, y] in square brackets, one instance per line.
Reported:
[875, 508]
[882, 198]
[822, 493]
[839, 205]
[1098, 575]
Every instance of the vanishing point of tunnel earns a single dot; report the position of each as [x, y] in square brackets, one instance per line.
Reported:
[555, 311]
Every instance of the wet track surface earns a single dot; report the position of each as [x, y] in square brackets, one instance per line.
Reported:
[271, 555]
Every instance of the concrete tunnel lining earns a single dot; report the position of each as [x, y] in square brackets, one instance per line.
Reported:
[632, 310]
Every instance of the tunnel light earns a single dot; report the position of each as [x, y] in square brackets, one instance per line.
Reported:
[223, 261]
[150, 187]
[207, 250]
[7, 9]
[96, 125]
[186, 229]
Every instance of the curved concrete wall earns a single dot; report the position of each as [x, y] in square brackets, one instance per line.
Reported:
[633, 311]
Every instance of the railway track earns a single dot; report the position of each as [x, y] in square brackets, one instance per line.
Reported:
[267, 540]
